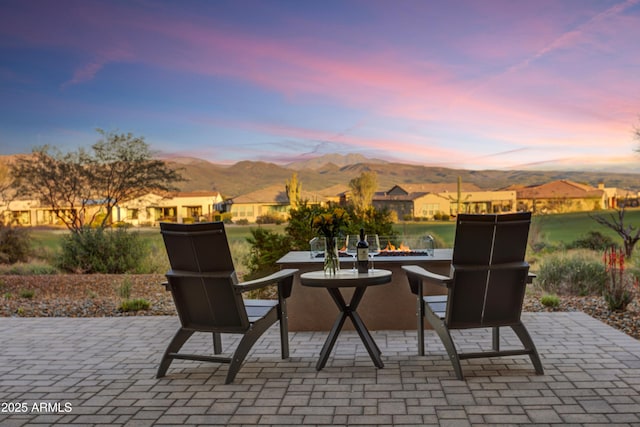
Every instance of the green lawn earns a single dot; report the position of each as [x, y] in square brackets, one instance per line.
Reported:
[560, 228]
[565, 228]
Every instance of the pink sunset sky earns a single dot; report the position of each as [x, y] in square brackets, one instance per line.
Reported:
[464, 84]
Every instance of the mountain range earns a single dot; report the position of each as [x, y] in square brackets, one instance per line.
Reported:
[322, 172]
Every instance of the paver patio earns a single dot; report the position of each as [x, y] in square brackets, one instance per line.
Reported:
[101, 371]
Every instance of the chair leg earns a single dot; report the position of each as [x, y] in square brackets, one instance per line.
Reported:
[528, 344]
[284, 328]
[496, 338]
[174, 346]
[217, 343]
[420, 329]
[447, 341]
[247, 341]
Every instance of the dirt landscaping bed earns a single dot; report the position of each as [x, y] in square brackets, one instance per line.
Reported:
[99, 295]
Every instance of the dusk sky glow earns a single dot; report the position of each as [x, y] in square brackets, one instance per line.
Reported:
[465, 84]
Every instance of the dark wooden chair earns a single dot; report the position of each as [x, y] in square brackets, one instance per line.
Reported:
[208, 297]
[485, 289]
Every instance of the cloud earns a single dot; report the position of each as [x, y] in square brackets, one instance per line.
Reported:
[571, 38]
[88, 72]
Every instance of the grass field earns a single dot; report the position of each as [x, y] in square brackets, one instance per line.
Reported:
[556, 229]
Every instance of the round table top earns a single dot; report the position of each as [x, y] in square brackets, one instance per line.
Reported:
[345, 279]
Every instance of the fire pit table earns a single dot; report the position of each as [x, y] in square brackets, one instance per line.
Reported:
[390, 307]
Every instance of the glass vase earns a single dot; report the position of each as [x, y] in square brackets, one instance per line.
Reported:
[331, 257]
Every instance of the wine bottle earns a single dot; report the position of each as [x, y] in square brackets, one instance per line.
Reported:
[363, 253]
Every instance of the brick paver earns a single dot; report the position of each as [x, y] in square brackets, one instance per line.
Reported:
[101, 371]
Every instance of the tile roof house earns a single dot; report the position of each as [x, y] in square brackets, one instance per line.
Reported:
[428, 200]
[560, 196]
[273, 200]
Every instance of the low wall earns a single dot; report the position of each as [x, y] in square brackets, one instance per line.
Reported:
[384, 307]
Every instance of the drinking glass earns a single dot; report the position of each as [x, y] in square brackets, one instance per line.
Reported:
[316, 246]
[374, 247]
[351, 245]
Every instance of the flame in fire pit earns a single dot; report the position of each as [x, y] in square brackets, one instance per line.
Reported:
[401, 248]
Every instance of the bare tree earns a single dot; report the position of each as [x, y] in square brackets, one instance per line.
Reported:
[119, 167]
[630, 234]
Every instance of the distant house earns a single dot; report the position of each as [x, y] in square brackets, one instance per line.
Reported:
[334, 194]
[273, 201]
[184, 207]
[19, 212]
[411, 204]
[428, 200]
[561, 196]
[618, 197]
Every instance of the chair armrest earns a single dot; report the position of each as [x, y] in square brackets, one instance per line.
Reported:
[530, 277]
[284, 279]
[417, 274]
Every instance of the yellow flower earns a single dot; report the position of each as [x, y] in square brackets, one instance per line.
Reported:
[329, 224]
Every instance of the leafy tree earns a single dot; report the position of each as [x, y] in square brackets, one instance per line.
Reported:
[363, 188]
[267, 247]
[300, 231]
[294, 190]
[374, 221]
[299, 227]
[118, 167]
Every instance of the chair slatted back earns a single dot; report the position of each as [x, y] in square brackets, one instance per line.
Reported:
[488, 269]
[202, 278]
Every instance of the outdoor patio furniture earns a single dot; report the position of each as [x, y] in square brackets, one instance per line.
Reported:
[208, 297]
[334, 283]
[485, 289]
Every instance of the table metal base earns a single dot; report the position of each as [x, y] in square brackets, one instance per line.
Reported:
[349, 310]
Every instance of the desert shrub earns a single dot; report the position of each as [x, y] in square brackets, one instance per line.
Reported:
[124, 290]
[550, 300]
[441, 216]
[572, 273]
[593, 240]
[136, 304]
[240, 250]
[15, 244]
[102, 251]
[28, 269]
[155, 260]
[266, 248]
[27, 293]
[621, 284]
[269, 218]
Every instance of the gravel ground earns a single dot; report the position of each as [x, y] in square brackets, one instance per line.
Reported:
[97, 295]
